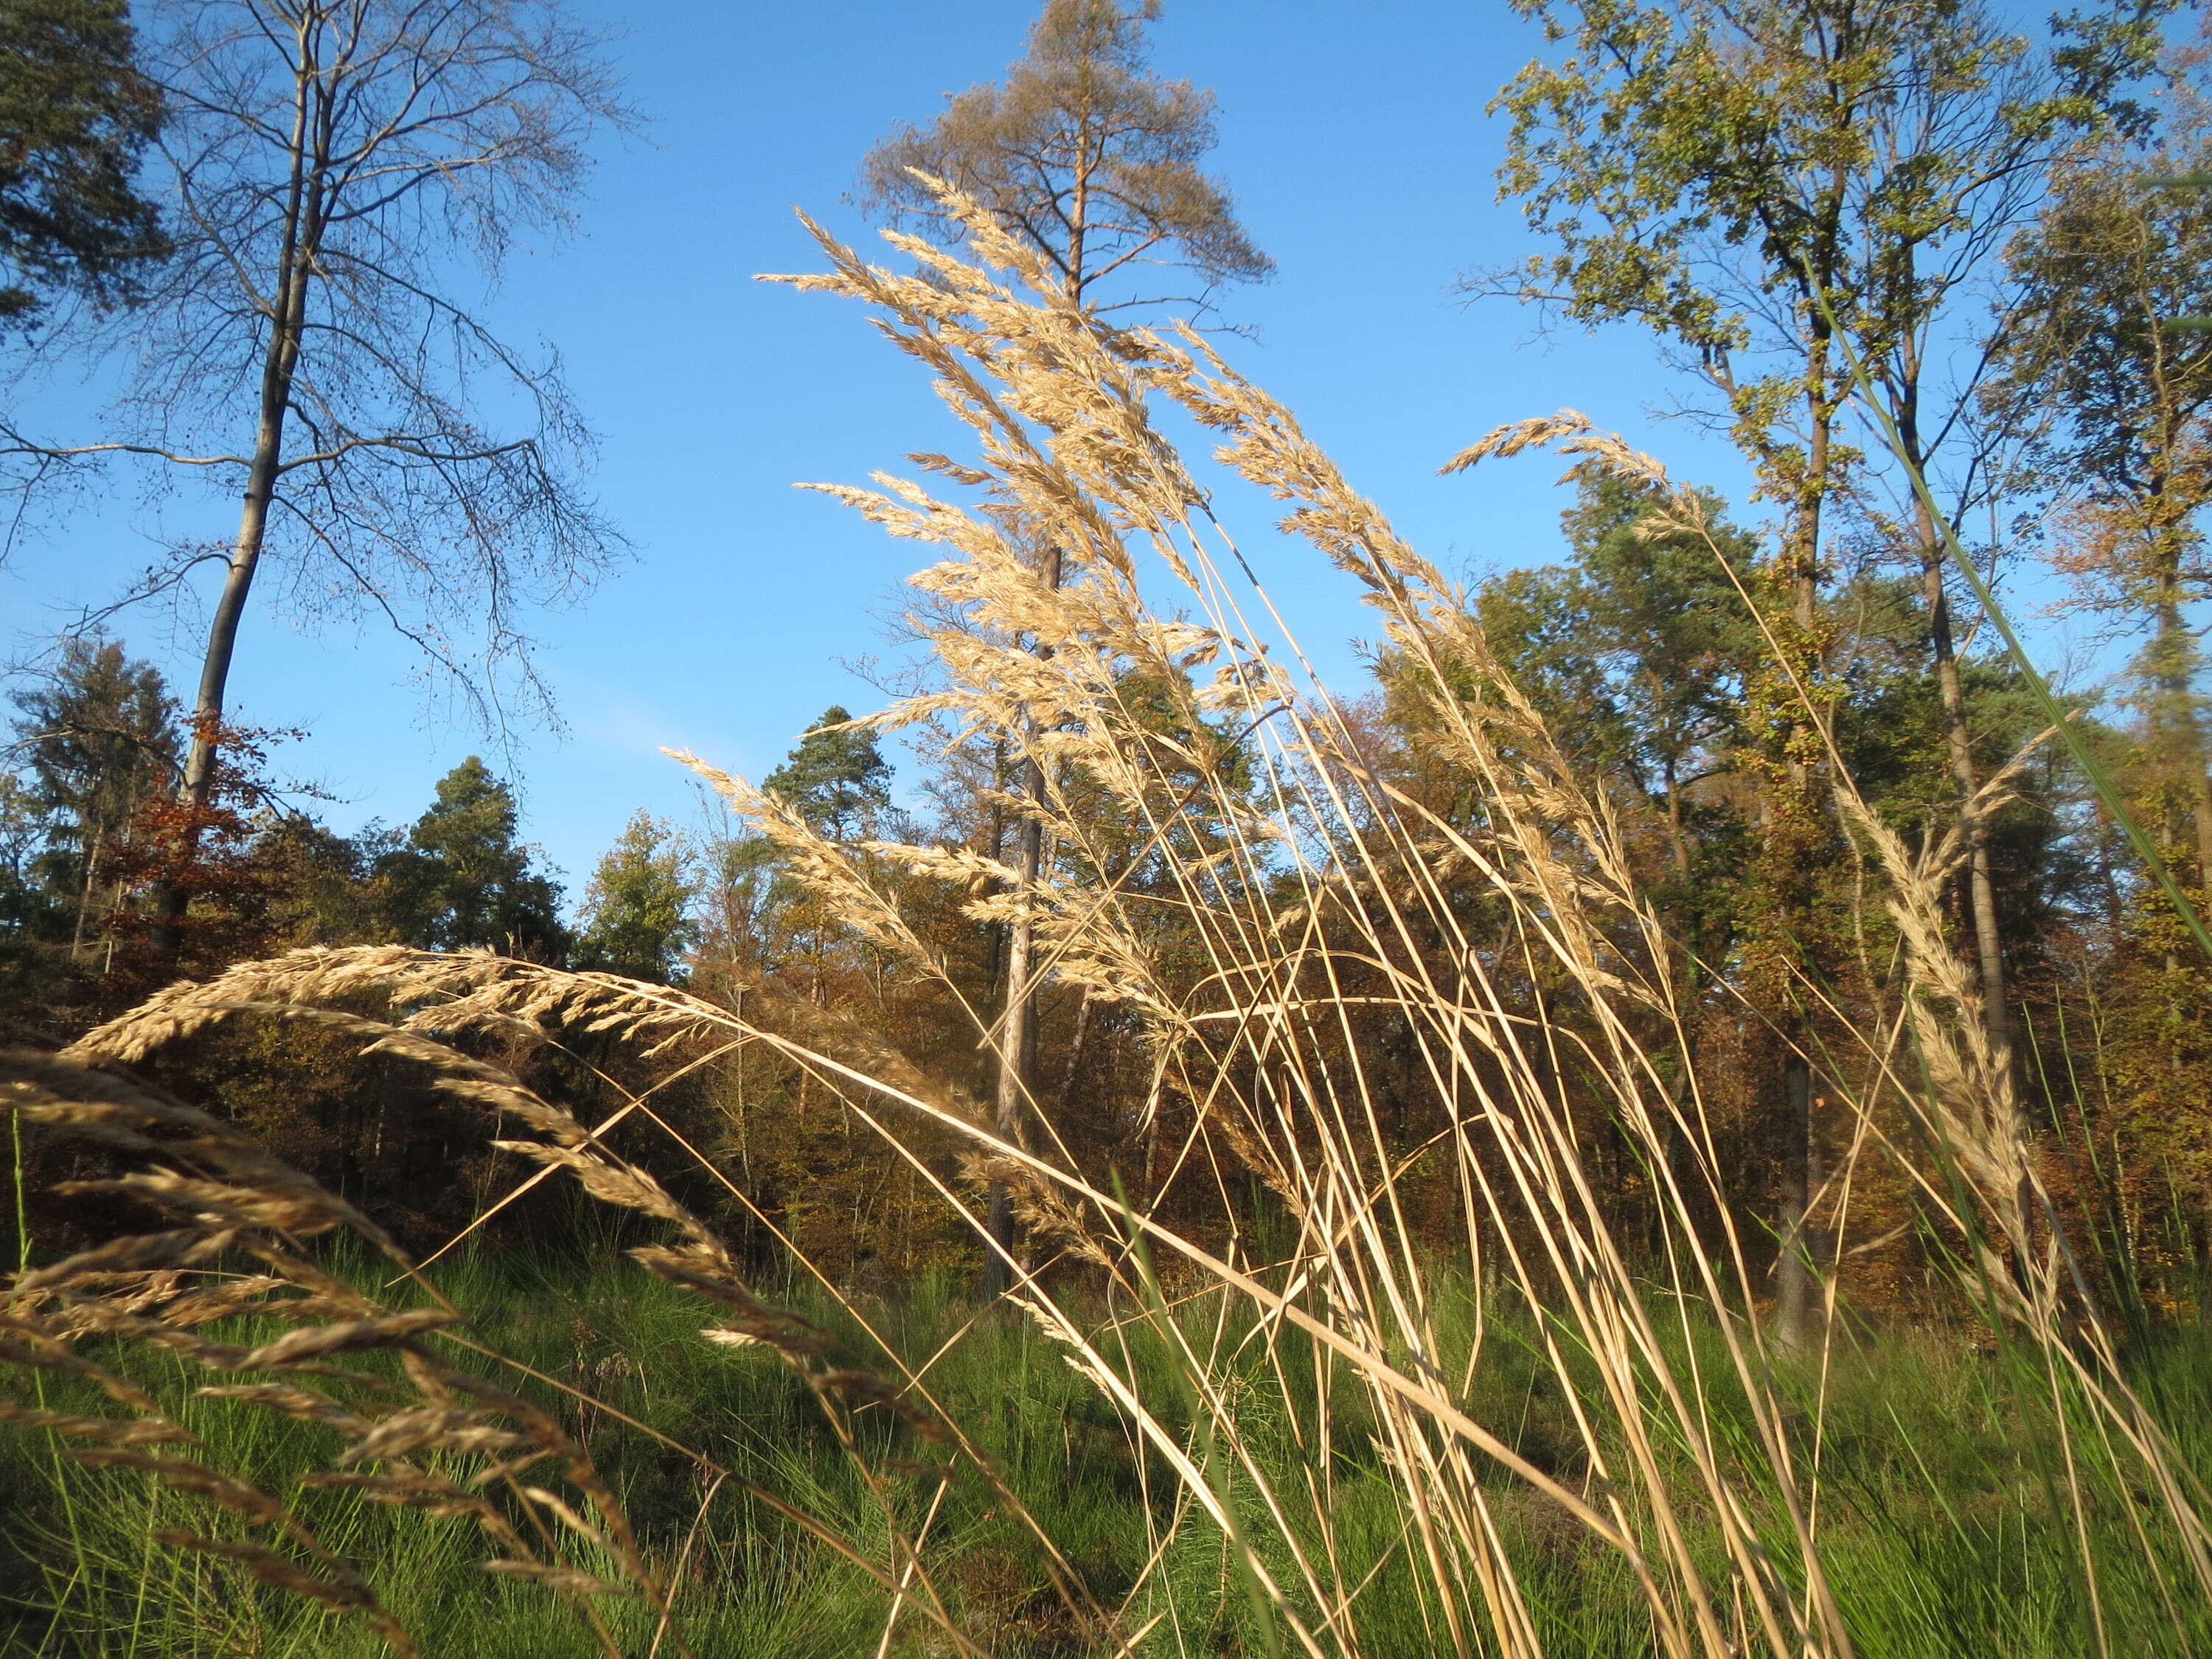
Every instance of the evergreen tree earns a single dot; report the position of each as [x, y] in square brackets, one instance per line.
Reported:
[838, 781]
[33, 924]
[74, 115]
[1092, 161]
[99, 739]
[637, 908]
[837, 778]
[462, 881]
[1747, 181]
[1639, 650]
[1643, 640]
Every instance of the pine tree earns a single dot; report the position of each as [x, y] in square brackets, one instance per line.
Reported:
[1640, 649]
[75, 113]
[1082, 154]
[101, 739]
[836, 778]
[1093, 161]
[34, 926]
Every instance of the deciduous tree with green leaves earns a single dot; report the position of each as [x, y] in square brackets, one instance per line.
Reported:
[637, 907]
[2121, 399]
[463, 880]
[1797, 195]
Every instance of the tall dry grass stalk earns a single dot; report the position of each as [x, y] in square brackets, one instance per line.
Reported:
[1323, 903]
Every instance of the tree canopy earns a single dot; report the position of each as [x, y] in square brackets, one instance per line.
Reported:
[836, 778]
[462, 880]
[636, 912]
[1086, 155]
[76, 116]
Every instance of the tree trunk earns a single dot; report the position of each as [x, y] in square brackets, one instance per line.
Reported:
[2203, 815]
[1017, 1031]
[1677, 841]
[1793, 1270]
[280, 361]
[1017, 1025]
[1069, 1069]
[1981, 891]
[1958, 736]
[95, 843]
[1798, 1176]
[2177, 726]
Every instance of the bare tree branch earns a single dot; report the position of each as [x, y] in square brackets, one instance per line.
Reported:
[334, 166]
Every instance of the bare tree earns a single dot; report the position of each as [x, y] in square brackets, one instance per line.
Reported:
[337, 169]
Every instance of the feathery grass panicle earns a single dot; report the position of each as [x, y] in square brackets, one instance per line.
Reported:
[1233, 865]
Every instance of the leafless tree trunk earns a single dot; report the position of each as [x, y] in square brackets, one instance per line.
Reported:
[333, 164]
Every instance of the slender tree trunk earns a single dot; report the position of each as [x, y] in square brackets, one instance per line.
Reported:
[1677, 841]
[280, 363]
[2203, 812]
[2178, 730]
[94, 845]
[1958, 735]
[1068, 1071]
[1805, 561]
[1981, 891]
[1793, 1272]
[1018, 1025]
[1794, 1125]
[1017, 1033]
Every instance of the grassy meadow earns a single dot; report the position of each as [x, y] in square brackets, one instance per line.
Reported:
[1941, 1489]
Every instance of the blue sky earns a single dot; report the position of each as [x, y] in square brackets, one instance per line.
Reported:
[1355, 138]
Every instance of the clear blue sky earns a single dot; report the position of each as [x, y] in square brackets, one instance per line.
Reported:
[1355, 138]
